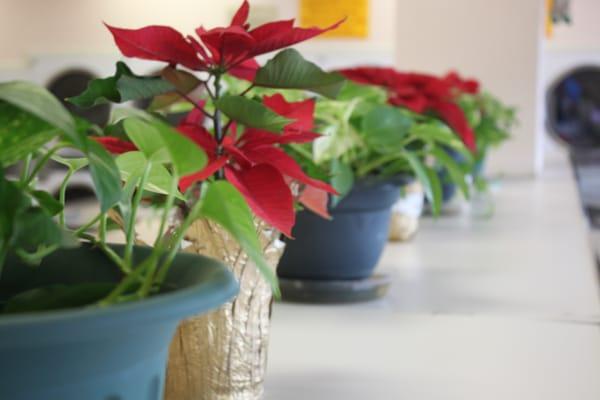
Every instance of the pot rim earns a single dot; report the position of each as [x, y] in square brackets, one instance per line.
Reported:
[176, 304]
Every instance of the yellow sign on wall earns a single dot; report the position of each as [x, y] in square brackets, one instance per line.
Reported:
[326, 12]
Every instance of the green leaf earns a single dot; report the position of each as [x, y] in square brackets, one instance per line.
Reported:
[41, 103]
[342, 179]
[185, 155]
[123, 86]
[251, 113]
[429, 179]
[21, 133]
[132, 164]
[105, 175]
[183, 81]
[289, 70]
[146, 138]
[13, 202]
[35, 229]
[54, 297]
[73, 163]
[47, 202]
[438, 132]
[385, 127]
[456, 172]
[223, 204]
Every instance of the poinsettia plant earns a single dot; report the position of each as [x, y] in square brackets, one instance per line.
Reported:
[35, 129]
[365, 137]
[241, 135]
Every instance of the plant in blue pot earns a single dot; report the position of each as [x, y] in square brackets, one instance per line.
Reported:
[368, 150]
[81, 318]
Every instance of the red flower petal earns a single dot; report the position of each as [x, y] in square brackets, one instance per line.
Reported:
[115, 145]
[456, 119]
[277, 35]
[470, 86]
[245, 70]
[286, 165]
[267, 194]
[315, 200]
[207, 172]
[228, 46]
[158, 43]
[241, 15]
[300, 111]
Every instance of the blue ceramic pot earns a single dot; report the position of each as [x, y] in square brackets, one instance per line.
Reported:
[91, 353]
[348, 246]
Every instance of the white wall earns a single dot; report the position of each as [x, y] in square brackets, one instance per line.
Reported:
[496, 41]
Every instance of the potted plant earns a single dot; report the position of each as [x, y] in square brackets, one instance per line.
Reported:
[369, 149]
[223, 354]
[79, 317]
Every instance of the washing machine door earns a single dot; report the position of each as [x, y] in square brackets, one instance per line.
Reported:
[573, 108]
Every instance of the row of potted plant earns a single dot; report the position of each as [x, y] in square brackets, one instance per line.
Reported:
[229, 151]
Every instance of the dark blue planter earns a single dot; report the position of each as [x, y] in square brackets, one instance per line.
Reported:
[91, 353]
[348, 246]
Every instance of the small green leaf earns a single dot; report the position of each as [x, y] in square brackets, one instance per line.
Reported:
[105, 175]
[289, 70]
[342, 179]
[385, 127]
[21, 133]
[223, 204]
[429, 179]
[58, 296]
[73, 163]
[438, 132]
[185, 155]
[34, 228]
[456, 172]
[146, 138]
[121, 87]
[131, 164]
[41, 103]
[251, 113]
[47, 202]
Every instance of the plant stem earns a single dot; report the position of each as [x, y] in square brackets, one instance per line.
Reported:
[62, 196]
[110, 253]
[158, 243]
[87, 226]
[365, 169]
[196, 106]
[130, 235]
[181, 230]
[219, 134]
[25, 171]
[247, 90]
[102, 228]
[42, 162]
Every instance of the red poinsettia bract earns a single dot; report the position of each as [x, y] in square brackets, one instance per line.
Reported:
[422, 93]
[256, 165]
[230, 48]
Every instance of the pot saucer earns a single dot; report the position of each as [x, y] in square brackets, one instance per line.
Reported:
[334, 291]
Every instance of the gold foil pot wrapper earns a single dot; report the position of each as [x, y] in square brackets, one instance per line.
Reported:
[404, 222]
[223, 355]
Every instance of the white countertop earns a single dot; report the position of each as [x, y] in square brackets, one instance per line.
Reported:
[504, 308]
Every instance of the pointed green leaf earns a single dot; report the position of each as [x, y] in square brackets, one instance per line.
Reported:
[223, 204]
[21, 133]
[41, 103]
[289, 70]
[73, 163]
[146, 138]
[185, 155]
[342, 179]
[105, 175]
[429, 179]
[456, 172]
[121, 87]
[131, 165]
[251, 113]
[384, 127]
[47, 202]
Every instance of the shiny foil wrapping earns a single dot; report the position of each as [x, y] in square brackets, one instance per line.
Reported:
[223, 354]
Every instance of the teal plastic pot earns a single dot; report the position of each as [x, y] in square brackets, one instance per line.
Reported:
[90, 353]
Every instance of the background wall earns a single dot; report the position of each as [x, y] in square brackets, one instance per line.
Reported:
[496, 41]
